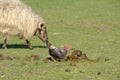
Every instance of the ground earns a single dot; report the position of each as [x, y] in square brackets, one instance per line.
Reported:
[91, 26]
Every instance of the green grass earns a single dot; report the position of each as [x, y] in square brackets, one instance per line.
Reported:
[89, 25]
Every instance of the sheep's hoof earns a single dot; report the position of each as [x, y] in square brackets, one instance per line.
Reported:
[4, 47]
[30, 47]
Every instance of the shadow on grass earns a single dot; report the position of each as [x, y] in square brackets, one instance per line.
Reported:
[22, 46]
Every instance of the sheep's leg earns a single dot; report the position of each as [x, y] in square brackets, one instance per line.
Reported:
[4, 44]
[29, 44]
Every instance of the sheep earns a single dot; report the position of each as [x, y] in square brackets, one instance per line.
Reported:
[17, 19]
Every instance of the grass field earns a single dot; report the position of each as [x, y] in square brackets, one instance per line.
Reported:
[88, 25]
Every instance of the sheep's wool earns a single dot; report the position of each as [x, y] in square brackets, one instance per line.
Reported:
[17, 19]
